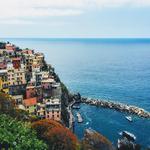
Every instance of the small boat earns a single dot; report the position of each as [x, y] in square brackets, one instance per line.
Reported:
[75, 107]
[80, 120]
[87, 123]
[129, 118]
[128, 135]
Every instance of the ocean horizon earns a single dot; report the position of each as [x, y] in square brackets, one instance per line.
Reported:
[116, 69]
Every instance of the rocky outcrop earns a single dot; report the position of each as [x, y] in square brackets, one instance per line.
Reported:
[126, 144]
[95, 141]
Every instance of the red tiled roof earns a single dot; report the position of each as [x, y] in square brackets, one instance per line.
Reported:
[30, 101]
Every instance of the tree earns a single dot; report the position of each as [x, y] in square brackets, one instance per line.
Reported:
[17, 135]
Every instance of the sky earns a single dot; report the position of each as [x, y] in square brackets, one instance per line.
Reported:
[75, 18]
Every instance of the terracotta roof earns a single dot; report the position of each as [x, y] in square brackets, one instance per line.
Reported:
[17, 58]
[30, 101]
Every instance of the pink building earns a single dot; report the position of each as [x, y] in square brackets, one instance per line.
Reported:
[27, 51]
[30, 91]
[53, 109]
[10, 47]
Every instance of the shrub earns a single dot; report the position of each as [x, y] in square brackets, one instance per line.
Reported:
[56, 136]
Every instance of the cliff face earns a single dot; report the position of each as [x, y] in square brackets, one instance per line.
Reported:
[95, 141]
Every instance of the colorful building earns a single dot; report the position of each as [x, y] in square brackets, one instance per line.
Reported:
[3, 63]
[40, 112]
[30, 105]
[4, 84]
[16, 76]
[16, 62]
[39, 59]
[28, 51]
[10, 47]
[47, 83]
[53, 109]
[30, 91]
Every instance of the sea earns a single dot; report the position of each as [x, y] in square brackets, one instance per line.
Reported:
[109, 69]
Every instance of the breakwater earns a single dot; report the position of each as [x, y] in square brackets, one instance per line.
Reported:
[117, 106]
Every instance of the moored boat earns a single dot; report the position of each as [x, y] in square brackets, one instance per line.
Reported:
[79, 117]
[75, 107]
[129, 118]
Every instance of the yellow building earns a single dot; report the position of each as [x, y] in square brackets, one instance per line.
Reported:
[4, 84]
[16, 76]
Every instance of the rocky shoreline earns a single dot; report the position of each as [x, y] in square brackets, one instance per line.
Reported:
[117, 106]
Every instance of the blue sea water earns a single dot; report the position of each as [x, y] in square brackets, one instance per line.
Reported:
[114, 69]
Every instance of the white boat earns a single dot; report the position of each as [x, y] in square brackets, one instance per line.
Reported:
[128, 135]
[129, 118]
[79, 117]
[76, 107]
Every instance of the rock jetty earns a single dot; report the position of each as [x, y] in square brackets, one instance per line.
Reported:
[117, 106]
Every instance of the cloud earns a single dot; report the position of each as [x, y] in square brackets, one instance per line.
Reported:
[18, 9]
[16, 22]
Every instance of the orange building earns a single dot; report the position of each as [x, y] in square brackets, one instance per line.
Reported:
[30, 105]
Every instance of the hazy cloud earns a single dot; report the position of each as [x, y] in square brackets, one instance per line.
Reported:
[12, 9]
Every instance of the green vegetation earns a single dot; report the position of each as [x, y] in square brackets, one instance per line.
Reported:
[18, 135]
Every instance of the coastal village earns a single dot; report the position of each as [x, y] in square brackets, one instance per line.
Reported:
[35, 88]
[30, 82]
